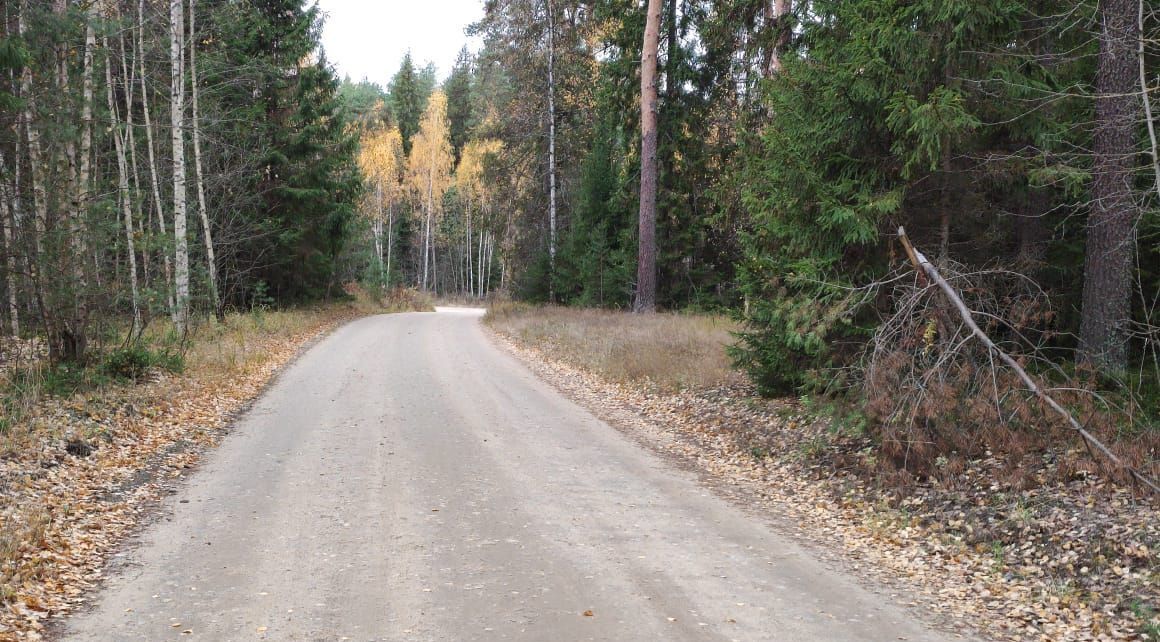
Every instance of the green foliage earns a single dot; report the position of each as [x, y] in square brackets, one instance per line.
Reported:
[877, 127]
[365, 103]
[407, 100]
[459, 102]
[597, 262]
[134, 362]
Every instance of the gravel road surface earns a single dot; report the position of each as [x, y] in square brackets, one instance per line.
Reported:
[406, 479]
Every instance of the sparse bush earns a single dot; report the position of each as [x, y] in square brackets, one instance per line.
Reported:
[134, 362]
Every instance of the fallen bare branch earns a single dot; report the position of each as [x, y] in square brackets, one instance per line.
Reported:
[1090, 440]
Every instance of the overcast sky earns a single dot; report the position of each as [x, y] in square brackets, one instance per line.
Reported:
[368, 38]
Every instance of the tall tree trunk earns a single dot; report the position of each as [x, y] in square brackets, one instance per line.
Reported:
[8, 225]
[390, 238]
[467, 251]
[378, 231]
[646, 274]
[673, 47]
[1107, 289]
[481, 264]
[1146, 100]
[202, 210]
[39, 192]
[177, 119]
[945, 205]
[552, 150]
[434, 270]
[778, 17]
[124, 195]
[71, 338]
[426, 244]
[155, 182]
[129, 80]
[487, 261]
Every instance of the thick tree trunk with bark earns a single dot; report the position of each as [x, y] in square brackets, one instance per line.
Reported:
[646, 274]
[1107, 289]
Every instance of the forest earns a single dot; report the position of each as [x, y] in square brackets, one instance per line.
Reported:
[162, 163]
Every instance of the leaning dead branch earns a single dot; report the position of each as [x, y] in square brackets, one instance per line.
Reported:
[925, 267]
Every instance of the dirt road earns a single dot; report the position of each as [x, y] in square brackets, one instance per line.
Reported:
[407, 480]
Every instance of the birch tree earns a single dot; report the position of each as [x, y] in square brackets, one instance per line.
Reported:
[154, 179]
[382, 162]
[429, 172]
[477, 194]
[124, 197]
[552, 146]
[177, 122]
[195, 121]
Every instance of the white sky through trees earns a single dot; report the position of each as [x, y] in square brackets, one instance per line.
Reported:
[368, 38]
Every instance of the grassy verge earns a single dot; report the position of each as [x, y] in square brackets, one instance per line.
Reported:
[669, 352]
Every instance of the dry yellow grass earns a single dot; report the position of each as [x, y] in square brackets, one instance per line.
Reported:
[667, 351]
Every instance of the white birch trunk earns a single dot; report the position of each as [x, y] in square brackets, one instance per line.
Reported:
[200, 179]
[551, 150]
[480, 264]
[467, 251]
[129, 80]
[84, 182]
[8, 223]
[390, 238]
[428, 245]
[487, 268]
[378, 231]
[124, 195]
[155, 182]
[36, 163]
[177, 118]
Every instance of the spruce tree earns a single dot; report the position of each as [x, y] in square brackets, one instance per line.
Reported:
[407, 101]
[458, 90]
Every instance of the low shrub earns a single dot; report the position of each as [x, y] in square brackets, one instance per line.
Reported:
[134, 362]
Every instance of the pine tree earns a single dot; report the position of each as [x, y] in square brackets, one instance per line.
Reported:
[646, 274]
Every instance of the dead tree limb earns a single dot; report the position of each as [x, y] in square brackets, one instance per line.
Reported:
[1090, 440]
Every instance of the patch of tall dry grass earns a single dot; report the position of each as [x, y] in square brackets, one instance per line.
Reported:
[667, 351]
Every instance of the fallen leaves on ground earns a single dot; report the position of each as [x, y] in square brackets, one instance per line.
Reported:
[64, 509]
[1066, 562]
